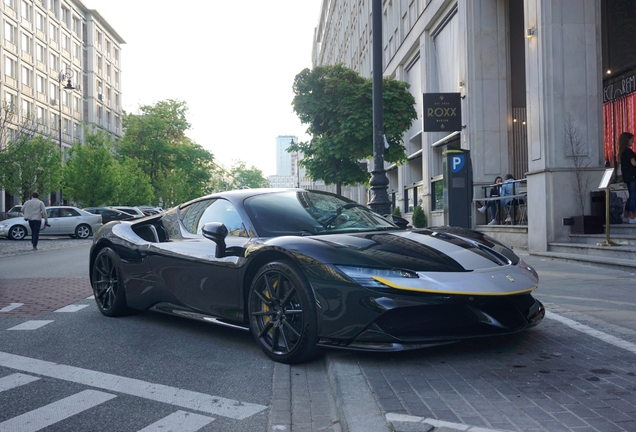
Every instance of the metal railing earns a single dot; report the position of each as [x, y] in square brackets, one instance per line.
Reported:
[509, 209]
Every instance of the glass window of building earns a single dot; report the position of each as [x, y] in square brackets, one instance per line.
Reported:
[40, 115]
[9, 32]
[26, 108]
[39, 21]
[9, 3]
[10, 101]
[53, 62]
[9, 67]
[26, 10]
[26, 76]
[52, 32]
[39, 84]
[26, 43]
[39, 52]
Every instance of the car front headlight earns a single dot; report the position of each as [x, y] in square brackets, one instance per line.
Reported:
[366, 276]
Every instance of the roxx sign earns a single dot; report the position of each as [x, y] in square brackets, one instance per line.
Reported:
[442, 112]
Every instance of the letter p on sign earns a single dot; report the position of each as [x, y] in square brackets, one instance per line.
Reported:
[457, 163]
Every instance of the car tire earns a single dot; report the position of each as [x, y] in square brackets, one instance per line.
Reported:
[17, 232]
[82, 231]
[282, 313]
[108, 284]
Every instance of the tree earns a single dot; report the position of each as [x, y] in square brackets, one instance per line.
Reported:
[247, 177]
[35, 164]
[152, 136]
[337, 105]
[90, 171]
[575, 148]
[16, 129]
[132, 185]
[419, 217]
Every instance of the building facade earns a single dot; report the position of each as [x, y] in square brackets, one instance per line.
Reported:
[526, 70]
[288, 173]
[60, 65]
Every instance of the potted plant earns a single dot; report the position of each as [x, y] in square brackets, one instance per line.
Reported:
[419, 217]
[580, 182]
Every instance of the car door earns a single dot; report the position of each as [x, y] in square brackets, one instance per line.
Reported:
[189, 267]
[53, 214]
[68, 219]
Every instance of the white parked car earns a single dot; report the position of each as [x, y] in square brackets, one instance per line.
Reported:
[63, 220]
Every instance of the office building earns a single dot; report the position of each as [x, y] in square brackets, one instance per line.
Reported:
[60, 65]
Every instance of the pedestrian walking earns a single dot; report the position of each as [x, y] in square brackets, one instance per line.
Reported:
[34, 211]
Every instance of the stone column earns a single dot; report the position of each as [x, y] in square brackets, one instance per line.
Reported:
[563, 80]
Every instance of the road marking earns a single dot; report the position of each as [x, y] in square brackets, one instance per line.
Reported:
[392, 417]
[594, 333]
[11, 307]
[15, 380]
[161, 393]
[71, 308]
[31, 325]
[181, 421]
[52, 413]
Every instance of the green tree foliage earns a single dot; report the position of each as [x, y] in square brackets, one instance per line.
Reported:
[34, 165]
[93, 176]
[337, 105]
[178, 168]
[89, 172]
[247, 177]
[152, 136]
[132, 185]
[419, 217]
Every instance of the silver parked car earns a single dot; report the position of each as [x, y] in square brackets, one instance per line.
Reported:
[15, 211]
[63, 220]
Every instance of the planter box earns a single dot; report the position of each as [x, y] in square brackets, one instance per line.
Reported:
[587, 225]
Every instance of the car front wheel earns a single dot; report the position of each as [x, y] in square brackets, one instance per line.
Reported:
[82, 231]
[282, 313]
[17, 232]
[108, 284]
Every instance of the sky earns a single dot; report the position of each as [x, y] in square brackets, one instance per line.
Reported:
[232, 62]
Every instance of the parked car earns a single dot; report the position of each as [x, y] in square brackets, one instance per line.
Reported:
[63, 220]
[150, 210]
[15, 211]
[110, 214]
[131, 210]
[306, 270]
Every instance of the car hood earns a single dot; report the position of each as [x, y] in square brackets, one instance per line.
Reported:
[420, 250]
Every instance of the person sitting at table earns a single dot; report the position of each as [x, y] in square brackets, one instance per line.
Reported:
[491, 205]
[510, 187]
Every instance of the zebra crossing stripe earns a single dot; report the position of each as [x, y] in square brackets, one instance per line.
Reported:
[31, 325]
[52, 413]
[181, 420]
[71, 308]
[15, 380]
[11, 307]
[183, 398]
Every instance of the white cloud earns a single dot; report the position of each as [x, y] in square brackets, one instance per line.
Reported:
[232, 62]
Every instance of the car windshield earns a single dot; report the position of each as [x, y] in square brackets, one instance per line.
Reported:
[310, 212]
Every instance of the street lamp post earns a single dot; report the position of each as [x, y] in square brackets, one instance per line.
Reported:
[379, 201]
[64, 75]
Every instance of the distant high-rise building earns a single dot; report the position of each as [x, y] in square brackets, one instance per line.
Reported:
[283, 158]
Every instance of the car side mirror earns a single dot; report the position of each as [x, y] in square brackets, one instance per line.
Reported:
[216, 231]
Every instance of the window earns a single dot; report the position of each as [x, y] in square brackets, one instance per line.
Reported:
[52, 32]
[76, 104]
[65, 99]
[67, 126]
[76, 50]
[39, 52]
[66, 42]
[198, 214]
[26, 76]
[39, 83]
[53, 91]
[99, 64]
[9, 67]
[54, 121]
[77, 26]
[9, 32]
[53, 62]
[39, 21]
[40, 115]
[26, 108]
[116, 55]
[26, 43]
[66, 17]
[26, 10]
[77, 130]
[10, 101]
[9, 3]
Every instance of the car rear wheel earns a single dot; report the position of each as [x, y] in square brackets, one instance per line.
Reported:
[282, 313]
[108, 284]
[82, 231]
[17, 232]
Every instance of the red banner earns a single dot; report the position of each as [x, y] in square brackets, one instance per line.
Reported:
[619, 116]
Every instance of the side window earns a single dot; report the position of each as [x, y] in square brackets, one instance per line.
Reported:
[52, 213]
[198, 214]
[65, 212]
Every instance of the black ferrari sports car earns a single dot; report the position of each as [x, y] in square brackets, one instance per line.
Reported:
[305, 270]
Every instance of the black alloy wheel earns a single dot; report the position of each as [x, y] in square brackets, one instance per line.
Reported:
[108, 285]
[282, 312]
[17, 232]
